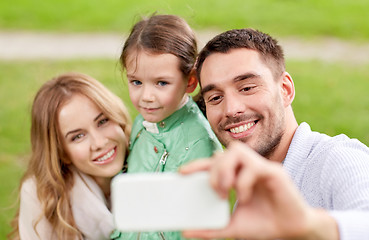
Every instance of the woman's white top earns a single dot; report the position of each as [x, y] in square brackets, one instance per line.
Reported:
[89, 207]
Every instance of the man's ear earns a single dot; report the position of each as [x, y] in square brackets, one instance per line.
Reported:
[192, 82]
[287, 89]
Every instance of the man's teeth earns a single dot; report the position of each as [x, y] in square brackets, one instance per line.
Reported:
[242, 128]
[106, 156]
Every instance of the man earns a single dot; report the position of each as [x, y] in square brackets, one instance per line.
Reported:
[284, 174]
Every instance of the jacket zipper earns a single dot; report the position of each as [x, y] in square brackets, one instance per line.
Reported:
[162, 162]
[160, 168]
[161, 234]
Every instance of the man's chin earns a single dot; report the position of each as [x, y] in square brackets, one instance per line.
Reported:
[226, 141]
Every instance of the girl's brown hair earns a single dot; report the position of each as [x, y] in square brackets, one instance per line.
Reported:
[162, 34]
[49, 163]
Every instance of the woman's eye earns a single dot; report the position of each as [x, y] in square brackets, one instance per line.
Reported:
[77, 137]
[136, 82]
[103, 121]
[162, 83]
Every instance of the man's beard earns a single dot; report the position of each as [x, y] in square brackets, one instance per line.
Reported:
[265, 144]
[267, 149]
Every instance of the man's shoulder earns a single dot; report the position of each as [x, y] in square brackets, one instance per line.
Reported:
[332, 148]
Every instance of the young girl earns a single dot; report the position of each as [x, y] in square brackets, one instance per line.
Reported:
[170, 130]
[79, 138]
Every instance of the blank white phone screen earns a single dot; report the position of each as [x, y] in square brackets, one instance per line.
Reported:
[167, 202]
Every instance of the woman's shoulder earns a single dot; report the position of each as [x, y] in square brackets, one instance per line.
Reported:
[28, 187]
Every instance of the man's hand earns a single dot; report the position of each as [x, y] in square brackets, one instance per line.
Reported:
[269, 205]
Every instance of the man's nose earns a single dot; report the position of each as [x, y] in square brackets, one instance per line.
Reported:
[233, 105]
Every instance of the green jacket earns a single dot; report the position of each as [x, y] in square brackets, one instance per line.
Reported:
[183, 136]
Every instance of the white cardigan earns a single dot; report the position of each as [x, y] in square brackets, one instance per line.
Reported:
[90, 211]
[332, 173]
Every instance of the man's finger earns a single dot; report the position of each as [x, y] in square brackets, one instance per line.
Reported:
[195, 166]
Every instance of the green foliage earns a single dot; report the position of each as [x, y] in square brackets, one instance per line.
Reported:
[344, 19]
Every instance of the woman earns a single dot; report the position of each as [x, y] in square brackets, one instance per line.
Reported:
[79, 138]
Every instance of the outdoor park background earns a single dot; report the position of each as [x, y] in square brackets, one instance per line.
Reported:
[331, 96]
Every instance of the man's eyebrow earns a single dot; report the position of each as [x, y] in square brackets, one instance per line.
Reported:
[236, 79]
[207, 88]
[245, 76]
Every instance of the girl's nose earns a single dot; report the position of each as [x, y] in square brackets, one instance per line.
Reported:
[148, 94]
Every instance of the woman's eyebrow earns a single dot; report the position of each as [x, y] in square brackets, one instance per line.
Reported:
[72, 131]
[98, 116]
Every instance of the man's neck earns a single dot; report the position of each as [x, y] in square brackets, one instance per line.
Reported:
[279, 154]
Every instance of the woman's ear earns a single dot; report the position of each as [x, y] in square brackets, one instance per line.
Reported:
[288, 89]
[192, 82]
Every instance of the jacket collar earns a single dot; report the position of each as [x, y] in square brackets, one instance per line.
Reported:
[172, 120]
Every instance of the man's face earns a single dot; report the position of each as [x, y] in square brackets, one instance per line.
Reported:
[243, 100]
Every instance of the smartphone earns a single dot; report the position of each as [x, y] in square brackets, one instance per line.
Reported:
[143, 202]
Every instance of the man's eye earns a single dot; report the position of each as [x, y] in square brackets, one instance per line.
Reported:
[245, 89]
[214, 100]
[136, 82]
[162, 83]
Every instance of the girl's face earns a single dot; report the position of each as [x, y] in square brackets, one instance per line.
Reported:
[156, 85]
[95, 144]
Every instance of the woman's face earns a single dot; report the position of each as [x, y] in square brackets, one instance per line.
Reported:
[95, 144]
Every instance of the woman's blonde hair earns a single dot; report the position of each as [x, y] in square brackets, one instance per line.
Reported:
[49, 163]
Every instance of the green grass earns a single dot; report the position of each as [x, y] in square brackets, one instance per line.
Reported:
[332, 98]
[306, 18]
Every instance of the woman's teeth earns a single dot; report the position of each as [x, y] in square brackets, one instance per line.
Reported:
[106, 156]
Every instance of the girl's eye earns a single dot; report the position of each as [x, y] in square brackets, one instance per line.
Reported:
[136, 82]
[103, 121]
[162, 83]
[77, 137]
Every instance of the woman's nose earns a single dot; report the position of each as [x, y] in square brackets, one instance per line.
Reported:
[98, 141]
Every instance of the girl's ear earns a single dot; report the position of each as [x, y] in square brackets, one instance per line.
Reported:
[192, 82]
